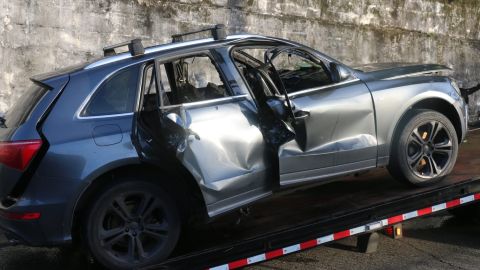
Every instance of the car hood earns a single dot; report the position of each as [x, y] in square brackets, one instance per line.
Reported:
[397, 70]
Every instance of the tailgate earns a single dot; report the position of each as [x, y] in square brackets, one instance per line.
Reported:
[19, 128]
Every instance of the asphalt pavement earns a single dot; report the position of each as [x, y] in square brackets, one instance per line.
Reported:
[440, 242]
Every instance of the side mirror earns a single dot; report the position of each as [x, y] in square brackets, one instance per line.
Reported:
[278, 106]
[339, 72]
[175, 118]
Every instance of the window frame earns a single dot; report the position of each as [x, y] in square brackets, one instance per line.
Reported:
[39, 91]
[105, 80]
[326, 62]
[265, 46]
[142, 83]
[305, 50]
[305, 56]
[203, 53]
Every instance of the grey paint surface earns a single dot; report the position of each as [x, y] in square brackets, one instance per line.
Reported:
[340, 130]
[227, 153]
[406, 96]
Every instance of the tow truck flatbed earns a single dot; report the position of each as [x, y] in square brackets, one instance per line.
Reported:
[315, 215]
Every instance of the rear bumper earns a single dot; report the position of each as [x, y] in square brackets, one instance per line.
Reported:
[20, 232]
[53, 200]
[44, 230]
[7, 240]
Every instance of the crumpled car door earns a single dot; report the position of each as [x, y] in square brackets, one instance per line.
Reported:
[334, 128]
[223, 148]
[219, 142]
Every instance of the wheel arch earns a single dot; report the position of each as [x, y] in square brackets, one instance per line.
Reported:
[192, 205]
[437, 104]
[444, 107]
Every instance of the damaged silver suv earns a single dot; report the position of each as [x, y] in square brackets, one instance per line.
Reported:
[121, 151]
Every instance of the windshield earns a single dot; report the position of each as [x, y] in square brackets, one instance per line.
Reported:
[21, 109]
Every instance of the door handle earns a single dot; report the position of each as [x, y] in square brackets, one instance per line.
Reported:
[300, 115]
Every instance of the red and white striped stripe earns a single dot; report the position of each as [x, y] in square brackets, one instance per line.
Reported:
[343, 234]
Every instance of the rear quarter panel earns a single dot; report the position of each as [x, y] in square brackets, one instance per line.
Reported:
[74, 158]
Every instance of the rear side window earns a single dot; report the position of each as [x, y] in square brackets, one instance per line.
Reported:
[21, 109]
[196, 78]
[116, 95]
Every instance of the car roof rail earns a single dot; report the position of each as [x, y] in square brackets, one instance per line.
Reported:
[218, 32]
[135, 47]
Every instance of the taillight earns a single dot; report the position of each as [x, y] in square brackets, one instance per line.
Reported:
[19, 154]
[20, 216]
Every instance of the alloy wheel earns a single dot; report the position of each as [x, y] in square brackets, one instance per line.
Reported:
[429, 149]
[134, 227]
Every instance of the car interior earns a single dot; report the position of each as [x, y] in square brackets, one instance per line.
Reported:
[184, 80]
[281, 68]
[267, 71]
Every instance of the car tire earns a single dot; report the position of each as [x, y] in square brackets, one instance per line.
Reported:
[424, 149]
[131, 224]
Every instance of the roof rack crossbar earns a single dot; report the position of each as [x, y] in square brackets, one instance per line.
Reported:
[135, 47]
[218, 32]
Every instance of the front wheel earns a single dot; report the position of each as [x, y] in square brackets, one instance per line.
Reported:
[425, 149]
[131, 224]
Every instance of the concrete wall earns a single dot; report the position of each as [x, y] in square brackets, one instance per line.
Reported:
[41, 35]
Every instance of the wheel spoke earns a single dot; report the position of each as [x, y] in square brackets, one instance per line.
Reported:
[107, 234]
[433, 166]
[145, 204]
[155, 234]
[113, 240]
[435, 128]
[119, 213]
[447, 145]
[447, 152]
[443, 147]
[430, 168]
[415, 159]
[121, 209]
[131, 248]
[158, 231]
[159, 227]
[418, 164]
[150, 207]
[140, 250]
[416, 138]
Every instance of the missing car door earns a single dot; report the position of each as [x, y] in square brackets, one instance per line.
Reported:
[211, 132]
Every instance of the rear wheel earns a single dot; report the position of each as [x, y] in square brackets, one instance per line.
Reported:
[131, 225]
[425, 150]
